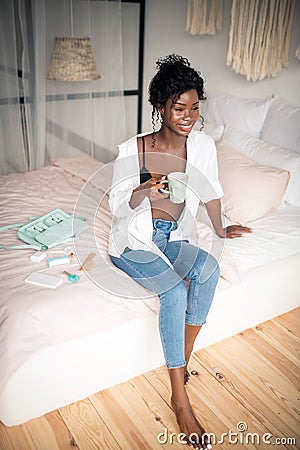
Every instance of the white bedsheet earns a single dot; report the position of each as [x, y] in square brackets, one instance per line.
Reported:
[275, 236]
[34, 317]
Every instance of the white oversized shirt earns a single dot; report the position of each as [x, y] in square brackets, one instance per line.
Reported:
[133, 227]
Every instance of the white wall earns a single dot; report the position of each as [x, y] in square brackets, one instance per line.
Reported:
[165, 33]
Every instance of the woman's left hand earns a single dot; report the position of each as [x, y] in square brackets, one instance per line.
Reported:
[234, 231]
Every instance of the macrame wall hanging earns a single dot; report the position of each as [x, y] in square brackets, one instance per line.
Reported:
[204, 16]
[259, 37]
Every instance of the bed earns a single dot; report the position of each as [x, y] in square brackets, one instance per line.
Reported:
[59, 346]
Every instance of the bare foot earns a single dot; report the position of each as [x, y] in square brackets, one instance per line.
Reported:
[189, 425]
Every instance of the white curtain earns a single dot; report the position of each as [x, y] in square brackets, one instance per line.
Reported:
[33, 28]
[13, 153]
[61, 119]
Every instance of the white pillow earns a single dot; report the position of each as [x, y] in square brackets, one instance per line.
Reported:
[214, 131]
[282, 125]
[248, 114]
[269, 155]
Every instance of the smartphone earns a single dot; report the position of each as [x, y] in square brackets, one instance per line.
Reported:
[43, 279]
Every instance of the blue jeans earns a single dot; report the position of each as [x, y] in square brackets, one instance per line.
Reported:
[177, 305]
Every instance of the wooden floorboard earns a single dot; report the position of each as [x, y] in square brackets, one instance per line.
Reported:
[246, 388]
[265, 393]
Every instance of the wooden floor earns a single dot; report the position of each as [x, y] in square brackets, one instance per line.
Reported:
[245, 384]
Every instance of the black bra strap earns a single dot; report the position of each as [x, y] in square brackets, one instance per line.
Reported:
[143, 140]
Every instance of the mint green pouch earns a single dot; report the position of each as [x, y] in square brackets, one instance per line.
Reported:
[54, 228]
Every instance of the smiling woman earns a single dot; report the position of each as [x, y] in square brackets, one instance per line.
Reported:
[154, 237]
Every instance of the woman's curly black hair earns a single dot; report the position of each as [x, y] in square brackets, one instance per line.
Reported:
[174, 77]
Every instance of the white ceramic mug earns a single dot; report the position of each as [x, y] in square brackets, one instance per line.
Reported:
[177, 183]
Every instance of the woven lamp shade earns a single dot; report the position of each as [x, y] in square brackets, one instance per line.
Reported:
[72, 60]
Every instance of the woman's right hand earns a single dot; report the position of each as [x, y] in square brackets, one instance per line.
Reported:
[149, 189]
[153, 185]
